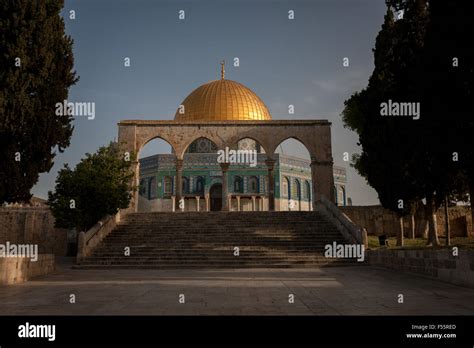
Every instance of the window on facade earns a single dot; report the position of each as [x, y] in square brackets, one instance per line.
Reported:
[253, 184]
[285, 187]
[342, 200]
[298, 189]
[142, 188]
[185, 187]
[168, 186]
[238, 184]
[152, 188]
[307, 192]
[200, 184]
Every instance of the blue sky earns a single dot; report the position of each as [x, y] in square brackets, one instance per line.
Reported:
[284, 61]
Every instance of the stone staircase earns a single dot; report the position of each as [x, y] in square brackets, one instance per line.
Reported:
[209, 239]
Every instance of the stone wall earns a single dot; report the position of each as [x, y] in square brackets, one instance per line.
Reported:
[15, 270]
[32, 225]
[377, 220]
[439, 264]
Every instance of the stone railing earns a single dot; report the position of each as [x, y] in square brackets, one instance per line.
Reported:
[89, 240]
[350, 231]
[438, 264]
[14, 270]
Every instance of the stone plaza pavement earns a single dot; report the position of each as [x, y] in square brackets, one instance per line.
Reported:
[327, 291]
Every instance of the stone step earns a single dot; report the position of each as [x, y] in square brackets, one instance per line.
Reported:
[191, 234]
[205, 260]
[262, 260]
[229, 220]
[212, 266]
[228, 231]
[202, 267]
[258, 264]
[206, 247]
[223, 239]
[158, 248]
[257, 236]
[213, 253]
[265, 227]
[311, 249]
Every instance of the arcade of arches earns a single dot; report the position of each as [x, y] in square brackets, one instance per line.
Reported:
[258, 190]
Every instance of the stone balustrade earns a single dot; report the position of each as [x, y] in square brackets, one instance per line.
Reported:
[89, 240]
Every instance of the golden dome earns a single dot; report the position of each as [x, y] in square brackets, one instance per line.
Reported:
[222, 100]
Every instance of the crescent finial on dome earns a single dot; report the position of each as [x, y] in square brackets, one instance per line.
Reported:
[222, 69]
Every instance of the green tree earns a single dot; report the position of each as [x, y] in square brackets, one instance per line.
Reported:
[36, 63]
[402, 157]
[449, 86]
[386, 143]
[98, 186]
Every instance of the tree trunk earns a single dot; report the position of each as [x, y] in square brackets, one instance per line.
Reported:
[422, 226]
[446, 222]
[400, 240]
[421, 222]
[471, 200]
[411, 232]
[432, 224]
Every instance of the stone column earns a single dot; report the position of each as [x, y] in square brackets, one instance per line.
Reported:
[468, 225]
[400, 239]
[238, 202]
[179, 182]
[270, 162]
[136, 183]
[208, 205]
[197, 203]
[225, 193]
[412, 226]
[254, 207]
[322, 180]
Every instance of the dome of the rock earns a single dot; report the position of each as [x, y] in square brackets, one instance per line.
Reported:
[222, 100]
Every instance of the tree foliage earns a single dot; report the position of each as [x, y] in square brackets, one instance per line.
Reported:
[402, 158]
[449, 85]
[36, 63]
[98, 186]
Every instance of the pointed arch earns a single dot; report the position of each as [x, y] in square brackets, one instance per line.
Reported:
[235, 141]
[279, 142]
[201, 145]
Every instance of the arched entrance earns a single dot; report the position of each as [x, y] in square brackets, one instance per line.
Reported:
[215, 194]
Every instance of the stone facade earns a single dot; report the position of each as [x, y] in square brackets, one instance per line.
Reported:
[32, 225]
[377, 220]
